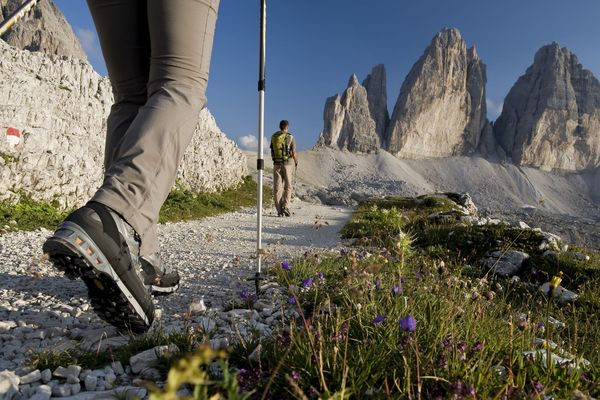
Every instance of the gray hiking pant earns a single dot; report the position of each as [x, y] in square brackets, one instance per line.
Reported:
[157, 54]
[283, 180]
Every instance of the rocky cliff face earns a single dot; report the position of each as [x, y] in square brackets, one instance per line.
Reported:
[551, 116]
[441, 110]
[43, 29]
[60, 106]
[376, 85]
[348, 121]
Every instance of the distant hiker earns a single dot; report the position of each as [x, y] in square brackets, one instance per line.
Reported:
[158, 55]
[283, 152]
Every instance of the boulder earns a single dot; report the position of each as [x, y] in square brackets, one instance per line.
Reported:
[506, 263]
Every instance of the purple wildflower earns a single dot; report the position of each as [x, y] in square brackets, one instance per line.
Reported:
[469, 391]
[378, 319]
[408, 323]
[249, 378]
[341, 334]
[296, 375]
[286, 265]
[457, 388]
[397, 290]
[540, 325]
[307, 283]
[245, 294]
[477, 347]
[534, 272]
[442, 361]
[538, 388]
[461, 348]
[291, 300]
[447, 342]
[321, 276]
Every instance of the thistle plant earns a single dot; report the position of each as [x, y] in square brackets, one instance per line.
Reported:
[554, 284]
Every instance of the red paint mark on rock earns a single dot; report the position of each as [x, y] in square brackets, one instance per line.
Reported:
[13, 137]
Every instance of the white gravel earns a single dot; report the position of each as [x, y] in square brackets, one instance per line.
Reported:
[42, 310]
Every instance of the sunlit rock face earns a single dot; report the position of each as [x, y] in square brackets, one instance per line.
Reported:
[348, 123]
[551, 116]
[441, 110]
[43, 29]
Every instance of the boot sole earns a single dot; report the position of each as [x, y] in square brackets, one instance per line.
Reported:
[73, 252]
[163, 290]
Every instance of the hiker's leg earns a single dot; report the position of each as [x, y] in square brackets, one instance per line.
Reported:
[288, 177]
[123, 31]
[277, 186]
[137, 183]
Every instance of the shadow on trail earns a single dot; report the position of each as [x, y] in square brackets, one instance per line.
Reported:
[316, 232]
[59, 287]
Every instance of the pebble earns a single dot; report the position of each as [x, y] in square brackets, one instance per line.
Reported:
[42, 310]
[46, 375]
[61, 390]
[31, 377]
[91, 382]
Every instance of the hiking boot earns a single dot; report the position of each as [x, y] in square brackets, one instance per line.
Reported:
[286, 212]
[95, 244]
[156, 278]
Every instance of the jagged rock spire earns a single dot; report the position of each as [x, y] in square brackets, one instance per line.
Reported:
[376, 85]
[347, 121]
[441, 109]
[551, 116]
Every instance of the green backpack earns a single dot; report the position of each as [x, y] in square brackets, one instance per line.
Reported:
[281, 146]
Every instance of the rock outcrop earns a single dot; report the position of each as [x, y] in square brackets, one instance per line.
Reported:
[551, 116]
[376, 85]
[441, 110]
[348, 123]
[59, 105]
[44, 29]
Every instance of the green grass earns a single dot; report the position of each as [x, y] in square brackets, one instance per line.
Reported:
[8, 158]
[29, 214]
[184, 205]
[472, 329]
[186, 342]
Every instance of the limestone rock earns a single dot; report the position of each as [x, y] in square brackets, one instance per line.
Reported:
[488, 145]
[149, 358]
[60, 106]
[44, 29]
[9, 385]
[506, 263]
[376, 85]
[551, 116]
[348, 121]
[441, 110]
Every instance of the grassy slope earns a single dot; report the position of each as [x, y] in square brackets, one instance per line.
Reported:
[29, 214]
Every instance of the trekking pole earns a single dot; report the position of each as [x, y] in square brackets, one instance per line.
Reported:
[260, 162]
[16, 16]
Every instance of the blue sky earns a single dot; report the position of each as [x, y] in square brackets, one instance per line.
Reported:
[313, 46]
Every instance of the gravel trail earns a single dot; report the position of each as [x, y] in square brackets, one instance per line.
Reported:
[42, 310]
